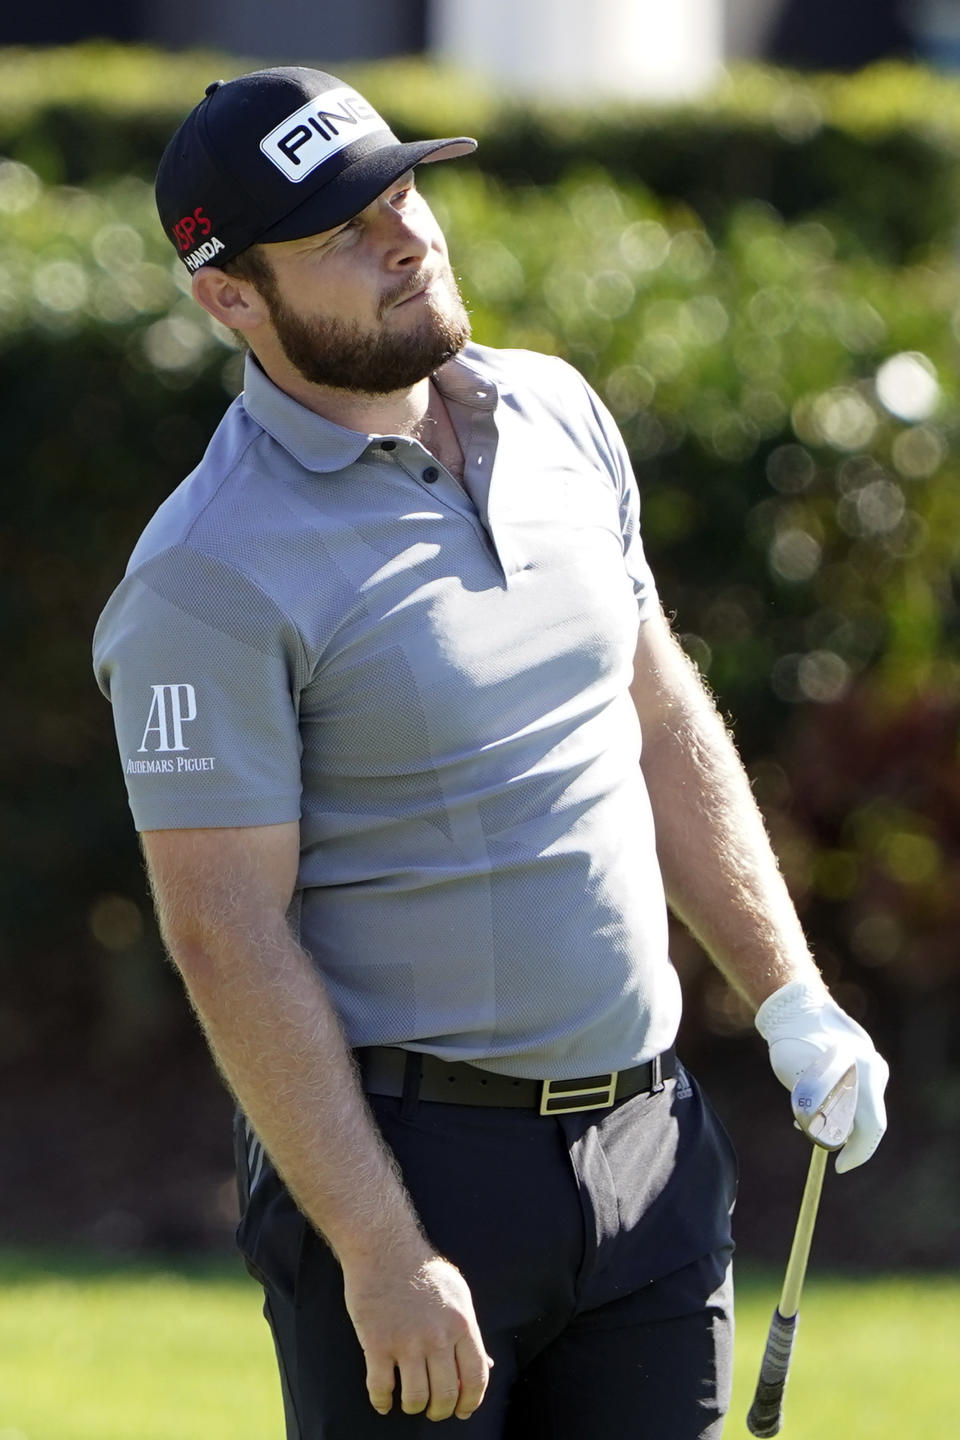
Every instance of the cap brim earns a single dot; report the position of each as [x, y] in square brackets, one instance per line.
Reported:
[359, 184]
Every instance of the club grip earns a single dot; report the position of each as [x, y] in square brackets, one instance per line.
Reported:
[767, 1408]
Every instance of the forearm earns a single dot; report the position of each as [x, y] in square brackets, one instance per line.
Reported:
[720, 873]
[221, 898]
[279, 1044]
[723, 881]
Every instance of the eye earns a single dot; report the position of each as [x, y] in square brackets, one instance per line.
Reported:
[347, 228]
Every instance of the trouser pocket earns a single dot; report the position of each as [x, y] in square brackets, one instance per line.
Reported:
[270, 1233]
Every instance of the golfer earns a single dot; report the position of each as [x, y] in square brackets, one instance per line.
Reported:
[417, 766]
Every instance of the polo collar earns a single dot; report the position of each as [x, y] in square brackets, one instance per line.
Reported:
[323, 447]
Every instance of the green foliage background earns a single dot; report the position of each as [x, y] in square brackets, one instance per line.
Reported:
[764, 289]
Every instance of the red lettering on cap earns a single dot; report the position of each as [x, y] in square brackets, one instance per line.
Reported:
[187, 228]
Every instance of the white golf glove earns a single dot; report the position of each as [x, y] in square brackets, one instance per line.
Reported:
[800, 1022]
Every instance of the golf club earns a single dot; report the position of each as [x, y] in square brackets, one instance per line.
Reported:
[824, 1100]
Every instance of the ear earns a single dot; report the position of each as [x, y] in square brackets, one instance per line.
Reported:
[235, 303]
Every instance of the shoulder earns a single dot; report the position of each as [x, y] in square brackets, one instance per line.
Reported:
[226, 530]
[208, 485]
[548, 387]
[547, 375]
[530, 380]
[208, 562]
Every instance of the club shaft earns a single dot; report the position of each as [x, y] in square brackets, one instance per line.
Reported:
[766, 1412]
[803, 1235]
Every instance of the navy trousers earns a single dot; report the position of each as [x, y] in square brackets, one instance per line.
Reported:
[597, 1249]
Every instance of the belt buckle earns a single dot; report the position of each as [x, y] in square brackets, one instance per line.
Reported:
[567, 1097]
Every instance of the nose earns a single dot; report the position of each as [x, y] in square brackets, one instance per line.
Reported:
[409, 233]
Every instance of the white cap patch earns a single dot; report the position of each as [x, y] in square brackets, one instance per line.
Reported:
[318, 130]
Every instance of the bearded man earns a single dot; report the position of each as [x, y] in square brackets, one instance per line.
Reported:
[417, 763]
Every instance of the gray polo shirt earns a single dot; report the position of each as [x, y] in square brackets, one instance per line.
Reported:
[323, 626]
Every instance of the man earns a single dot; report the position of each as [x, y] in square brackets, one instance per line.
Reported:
[380, 671]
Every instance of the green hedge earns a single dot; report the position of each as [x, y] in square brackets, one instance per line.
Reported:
[877, 152]
[792, 416]
[791, 402]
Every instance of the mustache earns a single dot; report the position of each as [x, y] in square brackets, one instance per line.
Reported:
[407, 288]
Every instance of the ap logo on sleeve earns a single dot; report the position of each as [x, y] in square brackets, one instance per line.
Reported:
[173, 706]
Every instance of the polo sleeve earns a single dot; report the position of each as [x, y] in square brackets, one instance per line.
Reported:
[635, 560]
[203, 671]
[613, 452]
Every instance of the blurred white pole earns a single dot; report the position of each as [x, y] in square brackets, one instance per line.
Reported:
[747, 23]
[576, 49]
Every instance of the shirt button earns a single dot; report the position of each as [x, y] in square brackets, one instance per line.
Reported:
[431, 474]
[388, 444]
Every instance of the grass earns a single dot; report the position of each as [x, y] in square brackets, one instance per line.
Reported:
[133, 1353]
[875, 1359]
[147, 1352]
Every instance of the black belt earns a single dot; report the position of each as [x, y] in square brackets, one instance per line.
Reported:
[387, 1070]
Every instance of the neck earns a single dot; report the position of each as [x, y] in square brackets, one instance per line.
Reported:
[400, 412]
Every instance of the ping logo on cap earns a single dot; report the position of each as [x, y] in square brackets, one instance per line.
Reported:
[318, 130]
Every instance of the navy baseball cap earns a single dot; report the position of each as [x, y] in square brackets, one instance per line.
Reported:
[277, 155]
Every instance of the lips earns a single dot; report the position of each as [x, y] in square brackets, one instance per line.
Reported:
[417, 294]
[404, 296]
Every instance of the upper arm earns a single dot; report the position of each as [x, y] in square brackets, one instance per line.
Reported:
[665, 681]
[204, 673]
[213, 884]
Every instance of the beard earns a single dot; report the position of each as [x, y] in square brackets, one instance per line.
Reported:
[342, 355]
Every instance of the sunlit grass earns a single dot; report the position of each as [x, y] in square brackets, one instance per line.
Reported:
[134, 1353]
[875, 1359]
[144, 1352]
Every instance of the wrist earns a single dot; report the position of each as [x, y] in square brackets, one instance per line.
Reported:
[405, 1247]
[802, 997]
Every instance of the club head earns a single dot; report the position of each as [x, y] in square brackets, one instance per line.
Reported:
[824, 1100]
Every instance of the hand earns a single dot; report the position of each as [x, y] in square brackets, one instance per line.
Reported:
[800, 1022]
[415, 1314]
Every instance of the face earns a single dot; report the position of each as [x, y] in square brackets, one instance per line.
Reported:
[370, 306]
